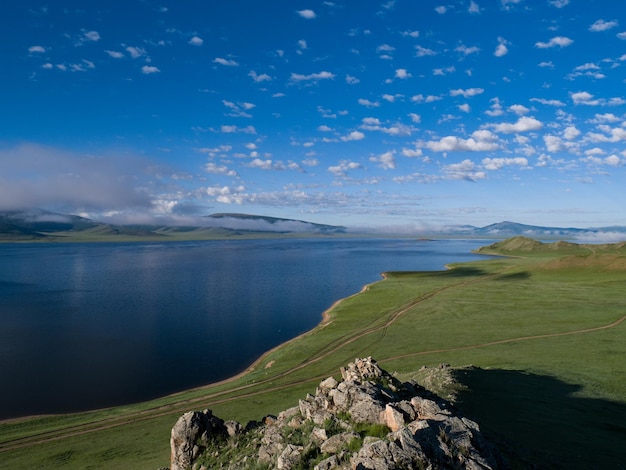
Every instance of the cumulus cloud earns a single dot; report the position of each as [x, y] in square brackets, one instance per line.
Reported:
[601, 25]
[481, 141]
[324, 75]
[135, 52]
[343, 167]
[227, 194]
[196, 41]
[424, 51]
[115, 54]
[560, 41]
[307, 14]
[586, 98]
[225, 62]
[469, 92]
[523, 124]
[386, 161]
[465, 170]
[466, 50]
[402, 74]
[148, 69]
[91, 36]
[354, 135]
[501, 49]
[368, 103]
[215, 169]
[499, 163]
[229, 129]
[259, 77]
[36, 49]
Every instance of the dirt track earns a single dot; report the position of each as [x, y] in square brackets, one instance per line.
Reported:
[179, 407]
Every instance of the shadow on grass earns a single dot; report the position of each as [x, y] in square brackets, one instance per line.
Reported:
[540, 423]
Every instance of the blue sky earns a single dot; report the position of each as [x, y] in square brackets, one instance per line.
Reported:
[397, 113]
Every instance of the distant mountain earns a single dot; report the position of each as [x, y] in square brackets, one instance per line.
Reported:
[273, 224]
[37, 224]
[511, 229]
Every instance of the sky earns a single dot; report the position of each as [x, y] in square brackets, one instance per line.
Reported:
[393, 113]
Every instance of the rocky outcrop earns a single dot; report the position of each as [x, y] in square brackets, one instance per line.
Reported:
[367, 421]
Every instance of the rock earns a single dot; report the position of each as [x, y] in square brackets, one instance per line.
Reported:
[336, 443]
[289, 458]
[190, 435]
[425, 431]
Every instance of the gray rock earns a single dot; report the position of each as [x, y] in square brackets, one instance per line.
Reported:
[426, 431]
[338, 442]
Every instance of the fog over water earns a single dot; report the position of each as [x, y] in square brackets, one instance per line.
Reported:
[85, 326]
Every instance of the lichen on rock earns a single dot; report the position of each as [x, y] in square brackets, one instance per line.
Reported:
[367, 421]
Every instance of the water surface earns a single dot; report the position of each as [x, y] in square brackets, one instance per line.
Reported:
[91, 325]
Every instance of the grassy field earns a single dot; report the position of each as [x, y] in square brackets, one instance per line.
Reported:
[542, 331]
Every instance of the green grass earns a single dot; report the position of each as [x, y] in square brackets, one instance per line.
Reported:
[545, 389]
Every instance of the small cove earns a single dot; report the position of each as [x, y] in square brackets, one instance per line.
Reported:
[86, 326]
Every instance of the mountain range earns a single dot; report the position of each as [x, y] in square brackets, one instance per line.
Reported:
[38, 224]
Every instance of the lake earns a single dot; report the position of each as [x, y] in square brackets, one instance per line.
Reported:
[91, 325]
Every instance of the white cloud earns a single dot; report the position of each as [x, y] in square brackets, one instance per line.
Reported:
[227, 194]
[506, 4]
[368, 103]
[499, 163]
[92, 36]
[402, 74]
[519, 109]
[548, 102]
[350, 80]
[424, 51]
[296, 77]
[467, 50]
[354, 135]
[324, 128]
[473, 8]
[307, 14]
[586, 98]
[386, 161]
[523, 124]
[465, 170]
[343, 167]
[413, 34]
[148, 69]
[115, 54]
[441, 9]
[225, 62]
[412, 153]
[219, 169]
[559, 3]
[560, 41]
[467, 93]
[416, 118]
[607, 117]
[601, 25]
[226, 129]
[302, 44]
[571, 132]
[136, 52]
[259, 78]
[501, 49]
[196, 41]
[622, 35]
[464, 107]
[36, 49]
[481, 141]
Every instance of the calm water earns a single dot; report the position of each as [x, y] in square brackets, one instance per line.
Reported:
[84, 326]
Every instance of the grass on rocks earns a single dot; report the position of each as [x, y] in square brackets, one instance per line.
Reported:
[545, 380]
